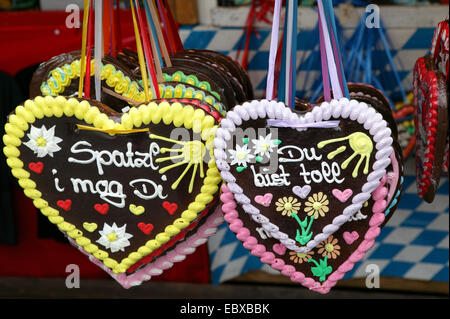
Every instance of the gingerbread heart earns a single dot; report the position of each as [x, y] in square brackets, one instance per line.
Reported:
[92, 155]
[321, 268]
[263, 147]
[431, 124]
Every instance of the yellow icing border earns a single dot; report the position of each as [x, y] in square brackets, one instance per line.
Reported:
[176, 114]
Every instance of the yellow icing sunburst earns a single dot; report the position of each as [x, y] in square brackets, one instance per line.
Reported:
[360, 143]
[192, 153]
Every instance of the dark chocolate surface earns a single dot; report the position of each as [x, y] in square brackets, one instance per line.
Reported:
[305, 140]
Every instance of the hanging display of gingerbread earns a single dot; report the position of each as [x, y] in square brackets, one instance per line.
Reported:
[431, 123]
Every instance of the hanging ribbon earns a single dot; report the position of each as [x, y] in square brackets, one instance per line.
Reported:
[332, 69]
[83, 47]
[273, 50]
[153, 39]
[87, 76]
[159, 33]
[98, 48]
[282, 73]
[140, 53]
[173, 28]
[148, 54]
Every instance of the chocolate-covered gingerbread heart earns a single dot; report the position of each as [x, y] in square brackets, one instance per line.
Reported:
[125, 188]
[302, 177]
[431, 124]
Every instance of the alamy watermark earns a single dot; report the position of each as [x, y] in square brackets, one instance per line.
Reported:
[73, 279]
[373, 17]
[373, 276]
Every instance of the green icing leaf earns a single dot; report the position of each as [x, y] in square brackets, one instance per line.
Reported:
[239, 169]
[321, 270]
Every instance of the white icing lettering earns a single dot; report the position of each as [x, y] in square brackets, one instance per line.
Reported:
[116, 158]
[302, 154]
[330, 175]
[265, 180]
[108, 191]
[144, 194]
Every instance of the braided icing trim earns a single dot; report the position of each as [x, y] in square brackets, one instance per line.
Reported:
[191, 79]
[361, 112]
[267, 257]
[176, 113]
[61, 77]
[422, 75]
[180, 91]
[162, 263]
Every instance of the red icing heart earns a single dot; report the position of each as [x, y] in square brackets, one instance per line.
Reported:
[101, 208]
[170, 207]
[64, 204]
[146, 228]
[36, 167]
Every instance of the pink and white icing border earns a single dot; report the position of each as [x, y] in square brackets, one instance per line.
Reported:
[162, 263]
[343, 108]
[267, 257]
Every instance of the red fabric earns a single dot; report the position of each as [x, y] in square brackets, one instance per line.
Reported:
[36, 257]
[31, 37]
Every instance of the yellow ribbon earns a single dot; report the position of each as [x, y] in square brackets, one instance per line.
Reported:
[140, 53]
[83, 47]
[111, 130]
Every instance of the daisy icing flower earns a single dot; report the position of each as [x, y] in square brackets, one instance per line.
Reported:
[299, 258]
[287, 206]
[264, 145]
[241, 156]
[114, 237]
[316, 205]
[43, 142]
[329, 248]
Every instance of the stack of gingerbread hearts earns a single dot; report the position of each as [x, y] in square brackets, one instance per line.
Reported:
[431, 114]
[308, 192]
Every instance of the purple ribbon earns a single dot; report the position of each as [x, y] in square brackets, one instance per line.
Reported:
[296, 124]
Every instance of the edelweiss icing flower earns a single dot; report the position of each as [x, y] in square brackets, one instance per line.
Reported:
[287, 205]
[298, 258]
[264, 145]
[329, 248]
[316, 205]
[241, 155]
[43, 142]
[114, 237]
